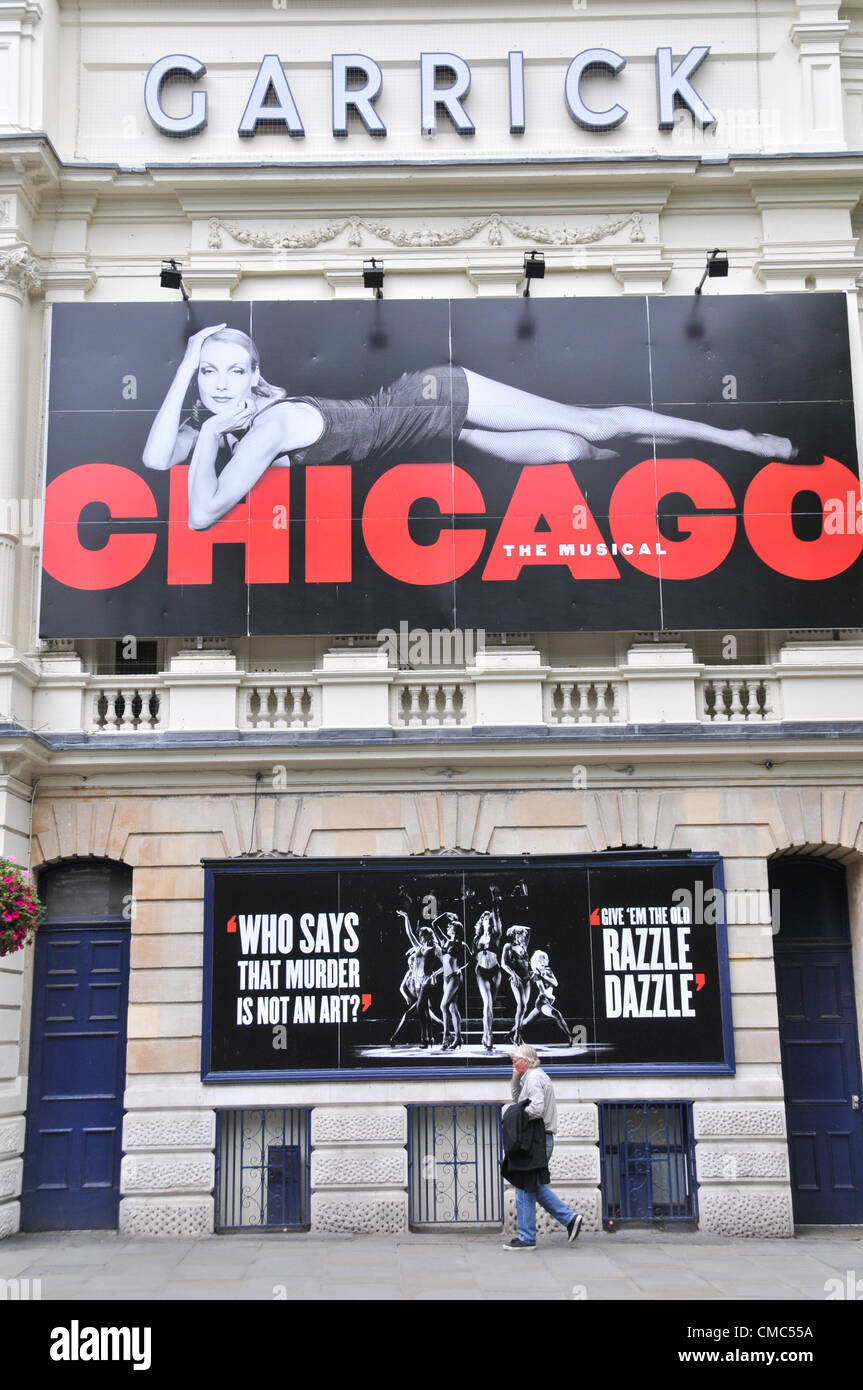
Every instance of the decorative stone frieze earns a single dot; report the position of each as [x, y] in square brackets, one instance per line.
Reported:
[730, 1121]
[359, 1167]
[362, 1215]
[174, 1129]
[167, 1172]
[751, 1212]
[366, 1124]
[167, 1217]
[493, 224]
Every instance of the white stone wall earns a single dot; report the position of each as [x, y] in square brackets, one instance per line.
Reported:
[790, 98]
[458, 228]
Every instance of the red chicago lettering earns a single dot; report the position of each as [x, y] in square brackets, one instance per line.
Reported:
[767, 518]
[548, 491]
[632, 516]
[251, 523]
[122, 557]
[328, 524]
[387, 533]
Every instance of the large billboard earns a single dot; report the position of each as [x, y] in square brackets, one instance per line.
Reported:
[559, 464]
[393, 967]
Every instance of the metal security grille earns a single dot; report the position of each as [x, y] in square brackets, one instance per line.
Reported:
[648, 1162]
[454, 1154]
[263, 1170]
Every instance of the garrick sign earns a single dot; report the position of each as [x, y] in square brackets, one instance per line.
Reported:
[443, 80]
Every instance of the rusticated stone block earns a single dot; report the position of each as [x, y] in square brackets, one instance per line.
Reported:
[166, 1216]
[586, 1200]
[12, 1135]
[359, 1124]
[10, 1219]
[755, 1121]
[167, 1173]
[575, 1163]
[10, 1178]
[577, 1122]
[739, 1212]
[365, 1215]
[359, 1167]
[721, 1163]
[170, 1129]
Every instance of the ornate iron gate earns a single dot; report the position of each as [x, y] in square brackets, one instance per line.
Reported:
[648, 1162]
[263, 1178]
[454, 1154]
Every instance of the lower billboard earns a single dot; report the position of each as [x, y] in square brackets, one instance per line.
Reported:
[605, 963]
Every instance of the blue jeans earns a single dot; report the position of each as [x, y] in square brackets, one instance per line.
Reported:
[525, 1205]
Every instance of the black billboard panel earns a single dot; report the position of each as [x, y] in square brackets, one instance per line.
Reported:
[614, 963]
[567, 464]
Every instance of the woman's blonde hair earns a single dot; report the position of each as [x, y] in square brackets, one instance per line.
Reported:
[264, 391]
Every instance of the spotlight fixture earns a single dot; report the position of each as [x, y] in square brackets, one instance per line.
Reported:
[717, 267]
[534, 269]
[171, 277]
[373, 277]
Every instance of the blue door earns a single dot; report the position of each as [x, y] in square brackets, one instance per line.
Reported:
[819, 1044]
[77, 1076]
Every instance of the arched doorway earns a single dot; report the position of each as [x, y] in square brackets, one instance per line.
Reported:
[819, 1040]
[77, 1070]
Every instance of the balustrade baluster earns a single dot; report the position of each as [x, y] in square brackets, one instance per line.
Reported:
[584, 714]
[737, 712]
[126, 720]
[566, 713]
[280, 717]
[414, 711]
[449, 715]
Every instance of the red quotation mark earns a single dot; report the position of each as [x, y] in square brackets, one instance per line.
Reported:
[699, 982]
[594, 917]
[367, 1002]
[232, 923]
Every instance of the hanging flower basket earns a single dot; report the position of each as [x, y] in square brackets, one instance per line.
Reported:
[20, 909]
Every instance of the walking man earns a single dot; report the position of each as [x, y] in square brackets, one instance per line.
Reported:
[531, 1084]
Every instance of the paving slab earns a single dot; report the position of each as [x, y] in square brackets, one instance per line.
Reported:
[454, 1266]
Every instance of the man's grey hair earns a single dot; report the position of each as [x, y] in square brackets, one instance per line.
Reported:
[528, 1051]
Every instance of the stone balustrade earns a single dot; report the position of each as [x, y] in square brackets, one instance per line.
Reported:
[657, 683]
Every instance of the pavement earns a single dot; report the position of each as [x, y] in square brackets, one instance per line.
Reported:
[818, 1264]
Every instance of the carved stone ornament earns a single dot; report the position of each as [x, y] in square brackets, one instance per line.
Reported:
[494, 223]
[19, 268]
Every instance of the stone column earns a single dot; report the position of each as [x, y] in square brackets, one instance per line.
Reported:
[18, 277]
[818, 32]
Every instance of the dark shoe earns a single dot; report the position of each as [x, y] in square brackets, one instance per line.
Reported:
[519, 1245]
[573, 1228]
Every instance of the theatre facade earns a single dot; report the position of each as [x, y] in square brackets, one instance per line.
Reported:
[389, 679]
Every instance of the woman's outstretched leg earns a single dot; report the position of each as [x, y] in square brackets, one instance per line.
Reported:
[495, 407]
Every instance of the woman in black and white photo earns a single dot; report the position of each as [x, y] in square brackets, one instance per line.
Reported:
[414, 988]
[451, 952]
[241, 424]
[488, 934]
[545, 981]
[514, 961]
